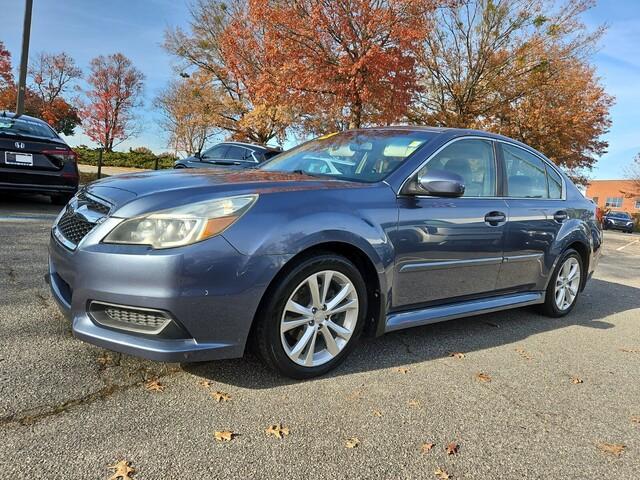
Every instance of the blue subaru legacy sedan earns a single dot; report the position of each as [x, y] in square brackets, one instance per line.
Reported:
[370, 230]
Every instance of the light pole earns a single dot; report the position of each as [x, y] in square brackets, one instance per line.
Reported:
[24, 59]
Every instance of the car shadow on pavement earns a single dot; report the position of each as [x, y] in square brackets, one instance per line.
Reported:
[403, 348]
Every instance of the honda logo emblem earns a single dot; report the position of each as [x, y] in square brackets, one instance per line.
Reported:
[19, 145]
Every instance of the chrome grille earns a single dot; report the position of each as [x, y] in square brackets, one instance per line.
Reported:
[92, 204]
[73, 225]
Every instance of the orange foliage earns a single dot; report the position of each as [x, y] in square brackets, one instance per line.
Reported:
[337, 64]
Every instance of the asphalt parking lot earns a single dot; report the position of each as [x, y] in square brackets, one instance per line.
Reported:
[559, 396]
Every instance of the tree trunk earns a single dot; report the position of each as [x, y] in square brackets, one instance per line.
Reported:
[355, 115]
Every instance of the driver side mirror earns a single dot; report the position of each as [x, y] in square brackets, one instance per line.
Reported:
[438, 183]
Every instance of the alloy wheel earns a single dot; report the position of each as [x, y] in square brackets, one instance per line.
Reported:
[567, 283]
[319, 318]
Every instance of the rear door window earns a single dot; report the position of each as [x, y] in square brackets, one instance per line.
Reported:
[239, 153]
[526, 173]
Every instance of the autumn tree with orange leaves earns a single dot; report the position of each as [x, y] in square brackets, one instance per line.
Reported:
[520, 68]
[47, 93]
[517, 67]
[187, 106]
[234, 104]
[338, 64]
[115, 91]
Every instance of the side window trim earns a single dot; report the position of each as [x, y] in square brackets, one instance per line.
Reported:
[547, 163]
[497, 166]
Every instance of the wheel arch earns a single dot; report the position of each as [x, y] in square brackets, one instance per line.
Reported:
[363, 262]
[584, 251]
[578, 242]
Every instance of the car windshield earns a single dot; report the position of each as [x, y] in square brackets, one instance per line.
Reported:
[24, 127]
[621, 215]
[361, 156]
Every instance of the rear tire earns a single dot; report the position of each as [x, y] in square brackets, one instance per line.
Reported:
[61, 199]
[320, 340]
[564, 286]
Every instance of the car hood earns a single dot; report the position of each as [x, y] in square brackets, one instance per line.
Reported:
[156, 190]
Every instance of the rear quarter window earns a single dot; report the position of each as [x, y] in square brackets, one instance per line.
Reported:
[555, 183]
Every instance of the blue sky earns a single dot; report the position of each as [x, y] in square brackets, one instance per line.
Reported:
[87, 28]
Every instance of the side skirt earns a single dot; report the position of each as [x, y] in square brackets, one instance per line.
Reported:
[425, 316]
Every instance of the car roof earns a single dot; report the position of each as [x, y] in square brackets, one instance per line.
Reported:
[7, 114]
[453, 133]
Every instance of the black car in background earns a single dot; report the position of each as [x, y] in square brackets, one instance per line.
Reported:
[231, 154]
[618, 221]
[33, 158]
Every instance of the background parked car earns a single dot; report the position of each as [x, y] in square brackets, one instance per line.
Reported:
[618, 221]
[33, 158]
[237, 154]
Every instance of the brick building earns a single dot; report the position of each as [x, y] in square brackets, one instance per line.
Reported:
[616, 195]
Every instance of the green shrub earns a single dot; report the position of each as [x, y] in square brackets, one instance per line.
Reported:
[140, 157]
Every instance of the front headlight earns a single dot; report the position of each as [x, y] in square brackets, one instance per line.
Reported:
[182, 225]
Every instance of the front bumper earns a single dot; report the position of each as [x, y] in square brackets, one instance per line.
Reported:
[622, 228]
[211, 291]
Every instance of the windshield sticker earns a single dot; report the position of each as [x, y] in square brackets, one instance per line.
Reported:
[328, 135]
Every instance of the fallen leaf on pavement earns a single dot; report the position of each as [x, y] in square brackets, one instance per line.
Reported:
[377, 413]
[355, 395]
[403, 370]
[224, 436]
[105, 360]
[121, 471]
[615, 449]
[205, 383]
[452, 448]
[221, 396]
[523, 353]
[483, 377]
[426, 447]
[441, 474]
[352, 442]
[154, 386]
[576, 380]
[458, 355]
[277, 431]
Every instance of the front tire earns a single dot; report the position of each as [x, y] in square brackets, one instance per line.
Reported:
[313, 316]
[564, 286]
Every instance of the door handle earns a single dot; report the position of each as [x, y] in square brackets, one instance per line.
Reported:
[560, 216]
[495, 218]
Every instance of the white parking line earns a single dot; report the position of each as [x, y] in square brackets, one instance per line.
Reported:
[625, 246]
[25, 218]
